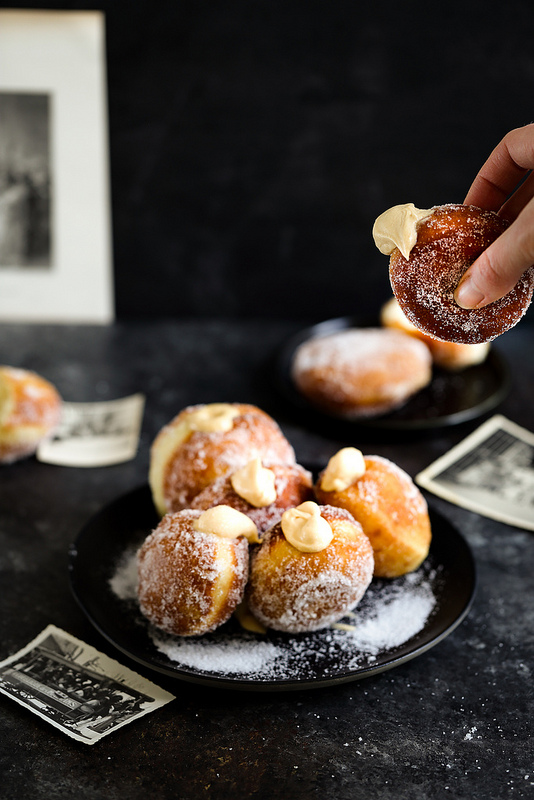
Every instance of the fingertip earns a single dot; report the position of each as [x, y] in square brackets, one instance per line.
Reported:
[468, 295]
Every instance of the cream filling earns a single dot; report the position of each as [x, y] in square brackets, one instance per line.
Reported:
[212, 418]
[345, 467]
[397, 228]
[306, 529]
[228, 523]
[255, 484]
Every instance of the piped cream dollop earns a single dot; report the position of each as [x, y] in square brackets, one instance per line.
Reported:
[255, 484]
[212, 418]
[345, 467]
[306, 529]
[397, 227]
[228, 523]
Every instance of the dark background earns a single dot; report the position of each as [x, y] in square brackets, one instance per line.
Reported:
[253, 142]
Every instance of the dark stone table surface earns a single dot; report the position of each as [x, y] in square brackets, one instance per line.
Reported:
[453, 723]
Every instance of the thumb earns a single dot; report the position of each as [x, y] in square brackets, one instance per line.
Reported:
[499, 267]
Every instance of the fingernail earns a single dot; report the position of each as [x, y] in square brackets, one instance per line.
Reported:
[467, 295]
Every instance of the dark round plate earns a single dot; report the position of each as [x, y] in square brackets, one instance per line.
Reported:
[442, 588]
[450, 399]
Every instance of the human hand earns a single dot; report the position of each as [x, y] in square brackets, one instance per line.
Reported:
[499, 267]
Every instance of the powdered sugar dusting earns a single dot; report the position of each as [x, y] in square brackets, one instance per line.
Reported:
[361, 371]
[390, 614]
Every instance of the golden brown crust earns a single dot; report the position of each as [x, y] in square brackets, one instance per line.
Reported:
[181, 467]
[393, 513]
[30, 410]
[361, 371]
[293, 484]
[448, 242]
[190, 582]
[293, 591]
[452, 356]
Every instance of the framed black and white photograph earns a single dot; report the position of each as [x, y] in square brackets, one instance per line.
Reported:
[75, 688]
[55, 228]
[490, 472]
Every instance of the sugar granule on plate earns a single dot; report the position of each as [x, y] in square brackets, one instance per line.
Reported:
[391, 613]
[123, 582]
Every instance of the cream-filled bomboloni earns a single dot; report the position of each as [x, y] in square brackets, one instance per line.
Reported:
[30, 411]
[361, 372]
[386, 502]
[204, 442]
[262, 492]
[311, 568]
[430, 250]
[193, 569]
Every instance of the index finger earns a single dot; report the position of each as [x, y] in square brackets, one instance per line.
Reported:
[506, 166]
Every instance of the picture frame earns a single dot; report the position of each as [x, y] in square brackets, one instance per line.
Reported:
[55, 219]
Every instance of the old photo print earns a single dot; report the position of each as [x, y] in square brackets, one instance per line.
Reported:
[95, 434]
[75, 688]
[25, 180]
[490, 472]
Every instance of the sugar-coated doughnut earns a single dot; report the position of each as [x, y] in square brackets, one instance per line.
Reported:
[361, 372]
[294, 591]
[448, 241]
[206, 441]
[292, 485]
[451, 356]
[392, 512]
[190, 582]
[30, 410]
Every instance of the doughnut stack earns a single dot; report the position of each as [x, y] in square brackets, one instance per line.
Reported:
[244, 529]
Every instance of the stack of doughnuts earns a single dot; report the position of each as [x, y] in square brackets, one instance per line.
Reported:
[248, 528]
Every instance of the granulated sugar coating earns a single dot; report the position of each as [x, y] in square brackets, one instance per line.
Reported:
[390, 614]
[448, 242]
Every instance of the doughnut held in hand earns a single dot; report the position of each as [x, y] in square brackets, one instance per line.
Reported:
[448, 240]
[30, 410]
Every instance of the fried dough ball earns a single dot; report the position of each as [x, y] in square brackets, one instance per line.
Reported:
[452, 356]
[289, 485]
[294, 590]
[190, 581]
[361, 372]
[391, 510]
[30, 410]
[448, 241]
[204, 442]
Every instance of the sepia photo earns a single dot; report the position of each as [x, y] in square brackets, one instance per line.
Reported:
[25, 180]
[76, 688]
[55, 220]
[490, 472]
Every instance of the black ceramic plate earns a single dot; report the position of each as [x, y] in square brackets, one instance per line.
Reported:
[450, 399]
[434, 600]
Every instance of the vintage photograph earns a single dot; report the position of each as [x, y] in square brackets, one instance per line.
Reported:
[96, 434]
[25, 180]
[490, 472]
[75, 688]
[55, 219]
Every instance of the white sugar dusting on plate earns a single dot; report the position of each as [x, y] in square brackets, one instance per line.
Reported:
[390, 614]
